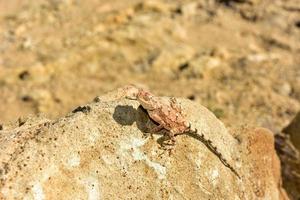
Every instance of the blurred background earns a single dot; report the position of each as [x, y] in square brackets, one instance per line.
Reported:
[239, 58]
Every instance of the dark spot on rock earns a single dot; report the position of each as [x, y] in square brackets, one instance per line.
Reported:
[1, 127]
[84, 109]
[183, 66]
[230, 2]
[21, 122]
[24, 75]
[152, 57]
[238, 139]
[191, 97]
[175, 12]
[96, 99]
[178, 11]
[297, 24]
[19, 167]
[5, 168]
[57, 100]
[47, 124]
[26, 98]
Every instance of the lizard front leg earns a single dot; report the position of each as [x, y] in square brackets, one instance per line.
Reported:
[155, 117]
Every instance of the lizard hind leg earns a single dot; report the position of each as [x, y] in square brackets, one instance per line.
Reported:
[157, 128]
[170, 142]
[172, 135]
[169, 138]
[167, 142]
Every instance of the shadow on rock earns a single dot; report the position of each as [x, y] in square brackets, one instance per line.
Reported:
[127, 115]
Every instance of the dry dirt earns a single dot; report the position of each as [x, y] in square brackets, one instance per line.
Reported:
[240, 59]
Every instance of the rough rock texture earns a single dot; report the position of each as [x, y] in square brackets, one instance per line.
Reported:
[287, 147]
[293, 130]
[290, 161]
[99, 151]
[239, 58]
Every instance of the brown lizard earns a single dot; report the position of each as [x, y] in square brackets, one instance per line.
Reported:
[169, 116]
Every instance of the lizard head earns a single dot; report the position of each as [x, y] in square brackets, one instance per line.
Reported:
[131, 92]
[145, 98]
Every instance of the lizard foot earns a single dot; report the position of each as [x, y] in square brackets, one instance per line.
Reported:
[168, 149]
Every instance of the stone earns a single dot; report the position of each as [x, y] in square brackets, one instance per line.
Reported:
[290, 164]
[105, 152]
[293, 130]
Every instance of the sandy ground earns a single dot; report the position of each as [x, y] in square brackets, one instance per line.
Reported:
[241, 59]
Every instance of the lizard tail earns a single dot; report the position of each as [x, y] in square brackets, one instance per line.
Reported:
[213, 149]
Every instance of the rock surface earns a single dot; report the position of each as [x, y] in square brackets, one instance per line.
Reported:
[100, 151]
[290, 163]
[293, 130]
[288, 147]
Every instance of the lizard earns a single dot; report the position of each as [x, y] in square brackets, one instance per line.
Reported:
[169, 116]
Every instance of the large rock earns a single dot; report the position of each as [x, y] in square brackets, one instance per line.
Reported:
[293, 129]
[288, 149]
[290, 165]
[100, 151]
